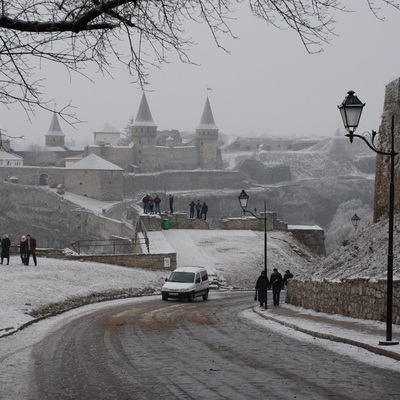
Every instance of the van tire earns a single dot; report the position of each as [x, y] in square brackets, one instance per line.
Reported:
[205, 296]
[191, 297]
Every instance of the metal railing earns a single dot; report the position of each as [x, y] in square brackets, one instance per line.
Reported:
[111, 246]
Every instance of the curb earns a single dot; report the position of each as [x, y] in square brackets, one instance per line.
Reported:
[333, 338]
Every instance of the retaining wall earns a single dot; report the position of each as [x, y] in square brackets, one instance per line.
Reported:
[355, 298]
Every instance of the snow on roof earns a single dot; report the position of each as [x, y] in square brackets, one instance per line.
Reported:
[95, 163]
[4, 155]
[107, 128]
[304, 227]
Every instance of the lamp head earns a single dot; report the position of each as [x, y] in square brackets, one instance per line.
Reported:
[350, 110]
[243, 199]
[355, 220]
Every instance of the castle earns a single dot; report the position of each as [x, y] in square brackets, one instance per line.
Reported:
[152, 151]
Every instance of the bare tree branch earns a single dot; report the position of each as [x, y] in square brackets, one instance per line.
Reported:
[74, 33]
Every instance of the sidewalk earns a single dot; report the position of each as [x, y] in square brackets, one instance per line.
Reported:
[361, 333]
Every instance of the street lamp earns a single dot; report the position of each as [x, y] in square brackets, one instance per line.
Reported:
[355, 220]
[243, 199]
[350, 110]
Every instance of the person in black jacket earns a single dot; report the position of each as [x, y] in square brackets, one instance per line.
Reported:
[261, 285]
[204, 210]
[192, 206]
[276, 282]
[5, 248]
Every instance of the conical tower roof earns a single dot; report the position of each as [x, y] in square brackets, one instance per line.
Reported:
[144, 117]
[55, 128]
[207, 119]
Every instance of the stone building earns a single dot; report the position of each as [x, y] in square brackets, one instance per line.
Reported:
[152, 151]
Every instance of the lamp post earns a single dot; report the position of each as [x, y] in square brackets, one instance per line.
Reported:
[355, 220]
[243, 200]
[350, 110]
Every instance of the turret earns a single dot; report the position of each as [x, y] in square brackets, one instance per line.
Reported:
[55, 137]
[207, 139]
[144, 132]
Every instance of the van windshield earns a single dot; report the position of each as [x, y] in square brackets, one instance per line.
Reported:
[184, 277]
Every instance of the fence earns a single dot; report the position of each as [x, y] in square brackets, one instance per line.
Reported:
[112, 246]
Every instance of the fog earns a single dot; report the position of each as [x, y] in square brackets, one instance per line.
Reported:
[267, 85]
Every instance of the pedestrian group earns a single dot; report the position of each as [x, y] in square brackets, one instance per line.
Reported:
[276, 282]
[27, 249]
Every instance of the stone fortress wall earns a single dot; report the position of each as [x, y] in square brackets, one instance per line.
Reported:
[355, 298]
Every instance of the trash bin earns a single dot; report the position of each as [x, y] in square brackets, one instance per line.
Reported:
[166, 223]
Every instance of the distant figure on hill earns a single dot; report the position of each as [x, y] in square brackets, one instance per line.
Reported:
[23, 250]
[151, 205]
[204, 209]
[157, 202]
[198, 208]
[171, 204]
[31, 244]
[5, 248]
[192, 206]
[145, 201]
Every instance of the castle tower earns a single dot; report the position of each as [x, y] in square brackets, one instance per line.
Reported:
[207, 139]
[55, 137]
[144, 132]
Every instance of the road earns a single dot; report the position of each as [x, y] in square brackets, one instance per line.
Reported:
[152, 349]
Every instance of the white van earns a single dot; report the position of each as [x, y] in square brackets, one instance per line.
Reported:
[186, 283]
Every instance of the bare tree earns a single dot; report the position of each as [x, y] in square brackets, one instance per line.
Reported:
[74, 33]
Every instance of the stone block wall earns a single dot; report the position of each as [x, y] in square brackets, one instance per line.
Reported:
[313, 238]
[355, 298]
[253, 223]
[177, 220]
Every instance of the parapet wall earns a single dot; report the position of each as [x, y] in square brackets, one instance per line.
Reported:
[355, 298]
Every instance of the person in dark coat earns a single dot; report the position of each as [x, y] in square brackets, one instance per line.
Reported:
[198, 209]
[204, 210]
[262, 284]
[276, 283]
[23, 250]
[157, 202]
[192, 206]
[171, 204]
[287, 276]
[5, 248]
[145, 201]
[31, 244]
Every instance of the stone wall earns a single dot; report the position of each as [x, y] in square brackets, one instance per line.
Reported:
[313, 237]
[355, 298]
[176, 180]
[177, 220]
[253, 223]
[391, 108]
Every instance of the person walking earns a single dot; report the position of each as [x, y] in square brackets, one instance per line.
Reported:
[204, 210]
[276, 282]
[198, 209]
[23, 250]
[5, 248]
[171, 204]
[286, 277]
[192, 206]
[261, 285]
[157, 202]
[31, 245]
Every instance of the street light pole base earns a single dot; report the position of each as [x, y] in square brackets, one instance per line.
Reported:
[388, 342]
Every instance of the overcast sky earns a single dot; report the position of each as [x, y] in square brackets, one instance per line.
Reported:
[268, 86]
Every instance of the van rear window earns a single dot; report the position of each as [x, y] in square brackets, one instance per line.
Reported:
[183, 277]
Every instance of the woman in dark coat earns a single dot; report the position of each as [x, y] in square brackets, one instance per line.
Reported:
[261, 285]
[5, 248]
